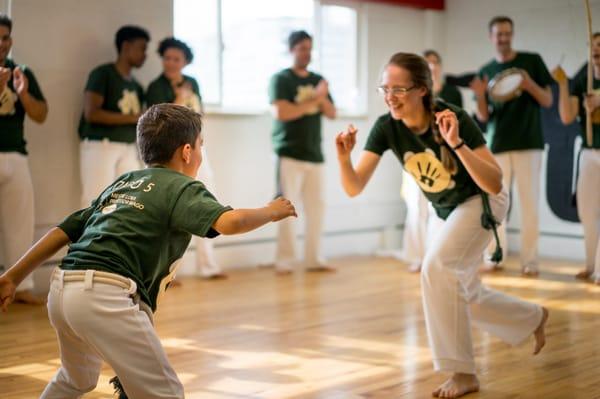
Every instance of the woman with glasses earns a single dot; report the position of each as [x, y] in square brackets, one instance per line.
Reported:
[442, 148]
[172, 86]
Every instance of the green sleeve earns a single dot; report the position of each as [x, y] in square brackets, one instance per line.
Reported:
[154, 95]
[97, 82]
[74, 224]
[196, 210]
[469, 131]
[277, 89]
[542, 76]
[377, 141]
[141, 94]
[34, 87]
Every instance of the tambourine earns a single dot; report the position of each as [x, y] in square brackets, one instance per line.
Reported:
[506, 85]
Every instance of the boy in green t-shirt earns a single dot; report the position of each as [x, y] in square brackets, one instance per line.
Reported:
[514, 130]
[124, 250]
[20, 95]
[112, 105]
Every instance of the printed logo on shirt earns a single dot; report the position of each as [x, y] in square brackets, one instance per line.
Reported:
[306, 93]
[428, 171]
[129, 104]
[193, 102]
[8, 99]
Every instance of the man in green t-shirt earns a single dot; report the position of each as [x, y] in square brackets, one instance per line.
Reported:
[573, 102]
[112, 105]
[124, 250]
[298, 98]
[514, 132]
[20, 95]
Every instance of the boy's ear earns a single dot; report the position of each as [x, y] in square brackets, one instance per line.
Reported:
[186, 153]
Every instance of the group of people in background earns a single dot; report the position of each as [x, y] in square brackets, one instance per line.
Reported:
[459, 181]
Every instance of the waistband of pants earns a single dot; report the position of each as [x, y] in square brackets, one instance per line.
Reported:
[90, 276]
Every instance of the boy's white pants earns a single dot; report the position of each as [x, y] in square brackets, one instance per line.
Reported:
[453, 295]
[16, 210]
[101, 162]
[95, 322]
[588, 207]
[524, 167]
[302, 183]
[206, 261]
[415, 224]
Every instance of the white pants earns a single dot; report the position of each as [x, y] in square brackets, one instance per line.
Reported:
[101, 163]
[16, 210]
[415, 224]
[453, 294]
[524, 167]
[302, 183]
[97, 321]
[588, 207]
[206, 261]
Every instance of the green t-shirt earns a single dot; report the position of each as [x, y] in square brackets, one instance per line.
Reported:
[451, 95]
[140, 226]
[301, 138]
[12, 113]
[120, 95]
[420, 156]
[160, 91]
[516, 124]
[578, 88]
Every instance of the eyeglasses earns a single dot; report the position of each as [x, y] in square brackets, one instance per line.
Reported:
[394, 91]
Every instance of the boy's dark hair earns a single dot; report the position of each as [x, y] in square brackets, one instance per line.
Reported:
[129, 33]
[500, 20]
[296, 37]
[428, 53]
[163, 128]
[6, 21]
[171, 42]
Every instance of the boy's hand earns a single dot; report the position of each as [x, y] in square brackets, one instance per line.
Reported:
[7, 292]
[281, 208]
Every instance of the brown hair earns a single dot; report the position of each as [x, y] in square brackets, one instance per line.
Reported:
[428, 53]
[163, 128]
[500, 20]
[421, 77]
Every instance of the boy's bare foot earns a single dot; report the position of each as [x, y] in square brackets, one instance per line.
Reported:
[28, 298]
[283, 272]
[539, 334]
[583, 275]
[458, 385]
[321, 268]
[415, 267]
[529, 272]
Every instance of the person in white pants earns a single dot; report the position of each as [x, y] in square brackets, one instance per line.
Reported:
[445, 152]
[574, 101]
[20, 95]
[298, 98]
[173, 86]
[124, 250]
[112, 105]
[515, 135]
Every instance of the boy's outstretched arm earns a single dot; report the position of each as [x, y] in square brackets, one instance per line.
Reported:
[47, 246]
[243, 220]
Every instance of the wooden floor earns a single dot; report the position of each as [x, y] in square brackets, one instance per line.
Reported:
[358, 333]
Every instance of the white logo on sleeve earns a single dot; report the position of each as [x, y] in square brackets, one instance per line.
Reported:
[129, 104]
[8, 98]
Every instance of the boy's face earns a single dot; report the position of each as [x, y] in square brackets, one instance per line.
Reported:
[135, 51]
[5, 42]
[302, 53]
[195, 158]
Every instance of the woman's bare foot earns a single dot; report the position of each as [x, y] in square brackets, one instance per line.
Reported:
[583, 275]
[458, 385]
[539, 334]
[28, 298]
[528, 271]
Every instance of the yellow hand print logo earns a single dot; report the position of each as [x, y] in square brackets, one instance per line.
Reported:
[8, 98]
[129, 104]
[305, 93]
[428, 171]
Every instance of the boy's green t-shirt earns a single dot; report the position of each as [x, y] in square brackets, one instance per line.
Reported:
[578, 88]
[161, 91]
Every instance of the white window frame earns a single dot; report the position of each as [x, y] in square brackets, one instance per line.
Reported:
[361, 62]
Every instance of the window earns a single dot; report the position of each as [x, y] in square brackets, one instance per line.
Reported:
[238, 45]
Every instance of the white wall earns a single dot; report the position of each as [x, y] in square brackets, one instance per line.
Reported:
[556, 29]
